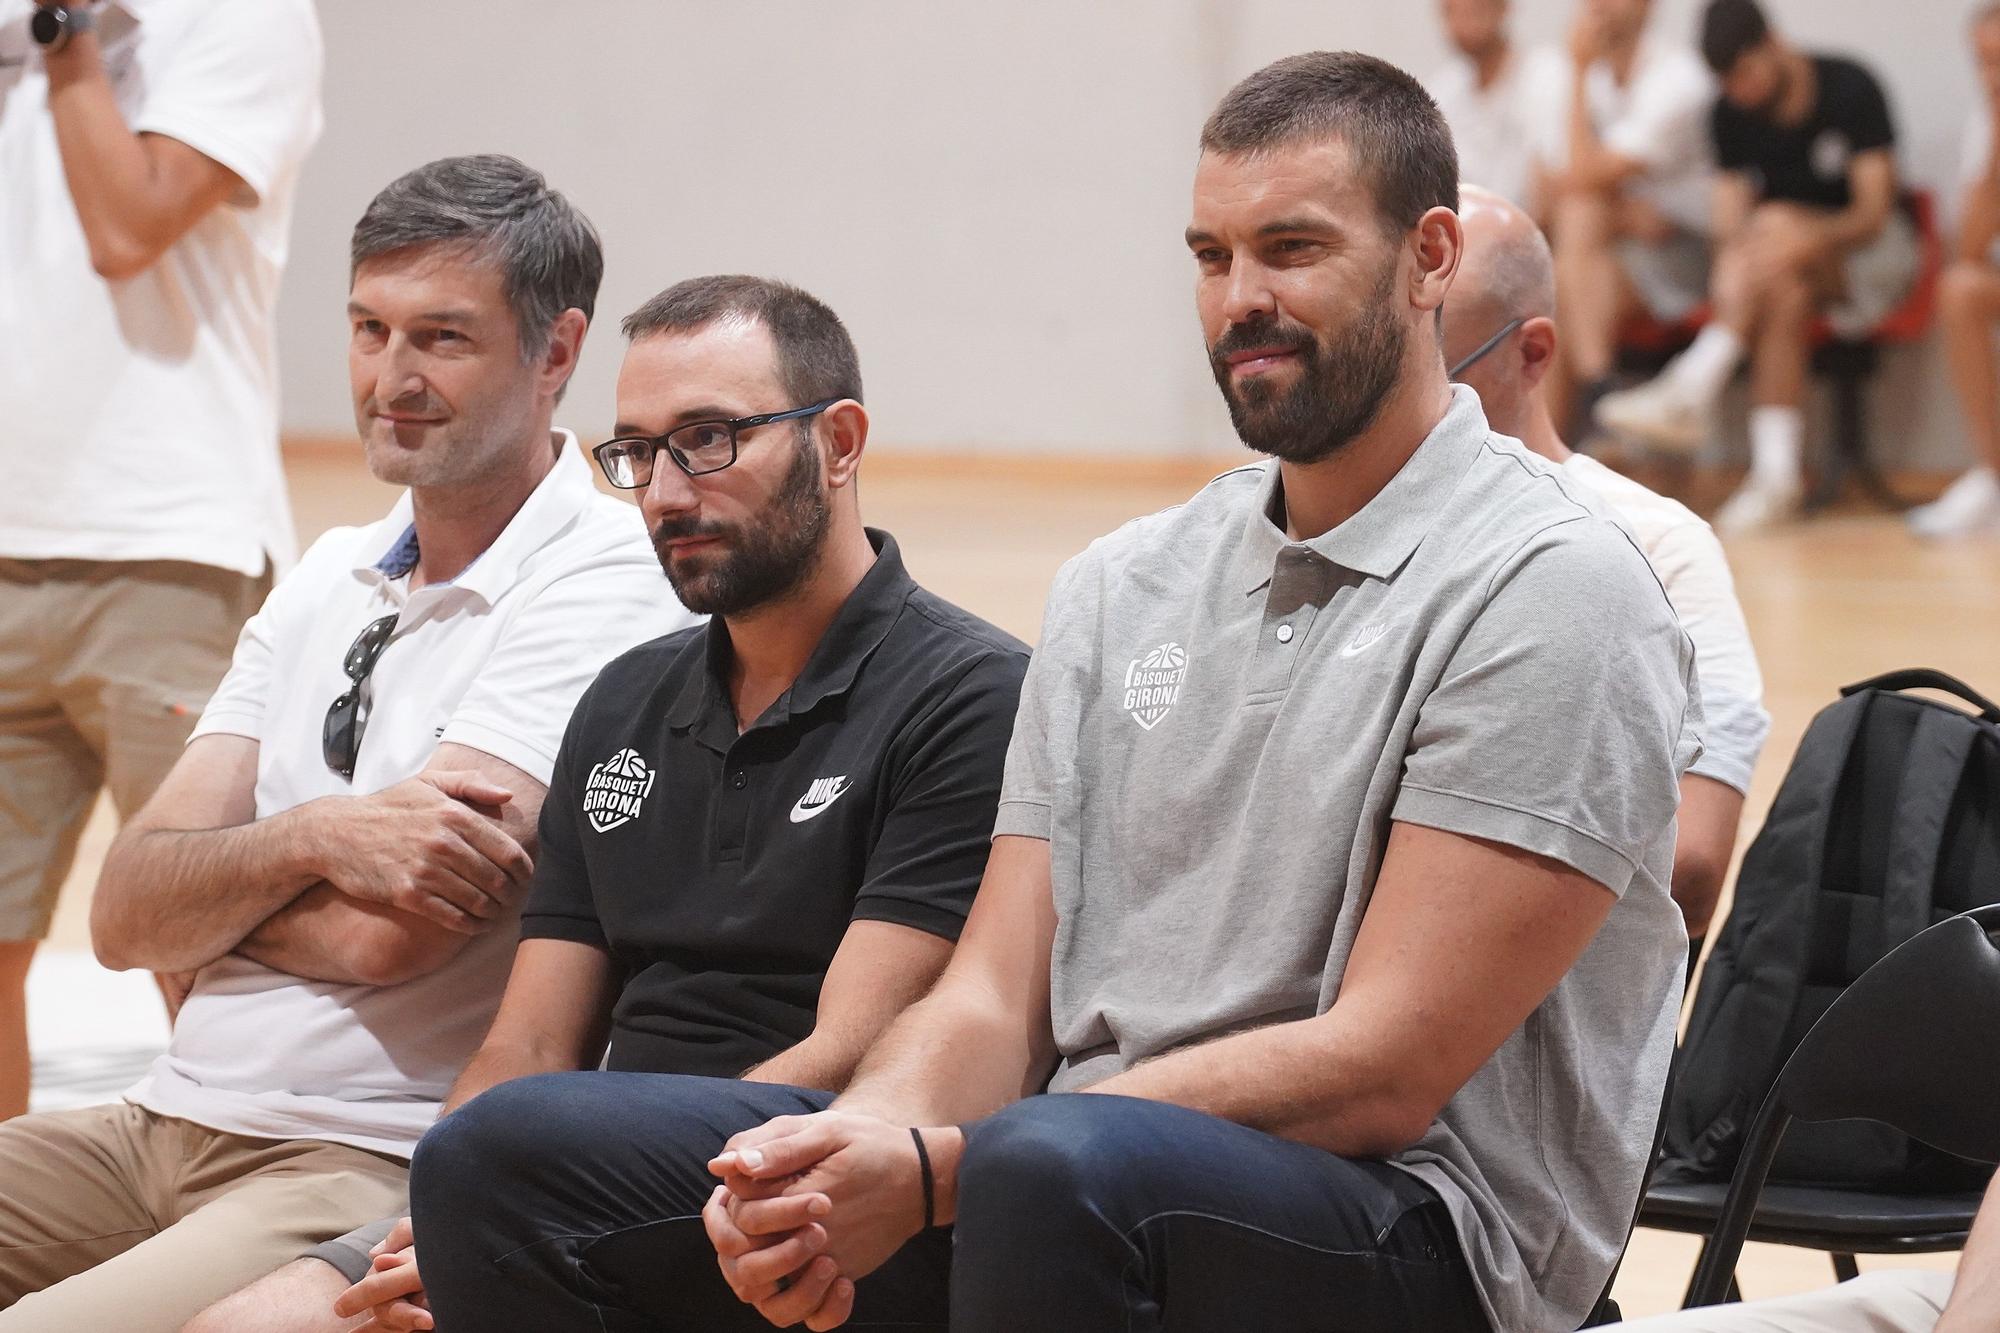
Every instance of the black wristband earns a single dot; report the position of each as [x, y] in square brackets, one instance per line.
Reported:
[930, 1181]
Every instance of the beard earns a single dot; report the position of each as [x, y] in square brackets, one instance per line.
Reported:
[761, 563]
[1341, 385]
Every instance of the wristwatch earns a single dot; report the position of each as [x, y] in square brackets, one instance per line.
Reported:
[56, 26]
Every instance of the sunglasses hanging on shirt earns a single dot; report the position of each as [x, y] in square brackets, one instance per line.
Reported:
[340, 737]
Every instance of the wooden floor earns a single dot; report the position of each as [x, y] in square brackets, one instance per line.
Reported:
[1828, 602]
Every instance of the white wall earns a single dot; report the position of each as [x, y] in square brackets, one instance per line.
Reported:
[991, 194]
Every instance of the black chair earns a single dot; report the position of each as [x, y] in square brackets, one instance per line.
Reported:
[1915, 1044]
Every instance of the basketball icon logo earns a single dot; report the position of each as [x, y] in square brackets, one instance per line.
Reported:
[1153, 682]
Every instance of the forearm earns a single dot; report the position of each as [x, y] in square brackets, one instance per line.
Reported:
[1853, 226]
[110, 174]
[324, 935]
[1980, 223]
[1298, 1080]
[1975, 1296]
[821, 1061]
[174, 900]
[953, 1057]
[500, 1062]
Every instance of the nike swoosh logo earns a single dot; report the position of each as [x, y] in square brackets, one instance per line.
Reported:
[801, 812]
[1366, 639]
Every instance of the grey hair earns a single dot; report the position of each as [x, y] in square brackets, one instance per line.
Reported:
[549, 256]
[816, 357]
[1393, 130]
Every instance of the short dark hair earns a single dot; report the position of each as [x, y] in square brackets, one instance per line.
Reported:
[1729, 28]
[1389, 123]
[549, 256]
[816, 358]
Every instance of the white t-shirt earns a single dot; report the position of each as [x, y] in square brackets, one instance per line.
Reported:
[1659, 117]
[1692, 568]
[142, 415]
[1496, 128]
[495, 660]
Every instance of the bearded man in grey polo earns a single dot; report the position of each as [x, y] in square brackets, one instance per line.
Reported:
[1334, 847]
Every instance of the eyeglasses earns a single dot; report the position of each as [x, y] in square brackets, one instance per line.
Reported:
[698, 448]
[340, 737]
[1486, 347]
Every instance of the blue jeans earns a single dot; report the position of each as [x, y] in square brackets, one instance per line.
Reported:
[572, 1201]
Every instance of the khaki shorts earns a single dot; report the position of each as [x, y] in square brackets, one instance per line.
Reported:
[115, 1218]
[1670, 276]
[104, 669]
[1878, 277]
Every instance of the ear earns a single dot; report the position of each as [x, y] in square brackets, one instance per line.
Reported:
[843, 430]
[1439, 243]
[1537, 340]
[565, 346]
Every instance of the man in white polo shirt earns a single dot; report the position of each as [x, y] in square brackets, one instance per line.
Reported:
[149, 150]
[1500, 340]
[339, 854]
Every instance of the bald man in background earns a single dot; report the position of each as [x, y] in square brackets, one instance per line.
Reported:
[1500, 339]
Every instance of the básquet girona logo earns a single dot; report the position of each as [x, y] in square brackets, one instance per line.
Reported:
[615, 790]
[1153, 682]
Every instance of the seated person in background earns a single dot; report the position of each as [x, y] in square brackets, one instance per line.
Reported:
[1806, 224]
[763, 835]
[1896, 1300]
[338, 855]
[1969, 305]
[1624, 190]
[1500, 339]
[1333, 852]
[1492, 93]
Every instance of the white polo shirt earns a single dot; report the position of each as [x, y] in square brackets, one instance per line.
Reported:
[1496, 128]
[495, 660]
[139, 418]
[1660, 117]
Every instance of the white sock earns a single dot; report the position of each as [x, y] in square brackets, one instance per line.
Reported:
[1777, 435]
[1707, 364]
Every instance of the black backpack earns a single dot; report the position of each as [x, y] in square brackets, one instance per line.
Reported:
[1887, 822]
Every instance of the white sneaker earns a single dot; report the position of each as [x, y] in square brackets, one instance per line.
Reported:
[1658, 413]
[1758, 504]
[1970, 506]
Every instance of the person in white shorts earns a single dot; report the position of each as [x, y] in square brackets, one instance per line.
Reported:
[1898, 1300]
[336, 860]
[1492, 92]
[1623, 188]
[1969, 306]
[1500, 339]
[1808, 224]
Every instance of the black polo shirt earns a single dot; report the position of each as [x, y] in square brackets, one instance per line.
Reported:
[720, 871]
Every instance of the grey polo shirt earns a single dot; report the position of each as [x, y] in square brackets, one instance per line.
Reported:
[1221, 724]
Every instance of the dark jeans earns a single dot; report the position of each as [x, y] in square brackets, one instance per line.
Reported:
[572, 1201]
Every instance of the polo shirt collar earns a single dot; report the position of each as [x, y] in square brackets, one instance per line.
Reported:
[864, 620]
[1376, 541]
[390, 549]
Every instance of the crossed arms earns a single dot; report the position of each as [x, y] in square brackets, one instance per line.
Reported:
[368, 890]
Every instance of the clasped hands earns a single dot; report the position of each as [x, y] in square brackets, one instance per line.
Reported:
[809, 1205]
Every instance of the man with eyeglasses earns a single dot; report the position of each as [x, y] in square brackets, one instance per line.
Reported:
[763, 835]
[339, 854]
[1500, 338]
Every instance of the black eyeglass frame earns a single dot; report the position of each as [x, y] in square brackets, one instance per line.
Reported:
[659, 443]
[1506, 331]
[340, 734]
